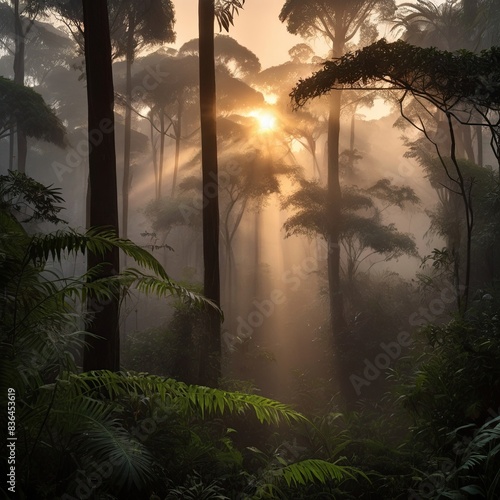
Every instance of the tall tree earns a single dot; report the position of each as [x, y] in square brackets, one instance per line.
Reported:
[104, 342]
[210, 368]
[338, 22]
[146, 23]
[23, 16]
[208, 11]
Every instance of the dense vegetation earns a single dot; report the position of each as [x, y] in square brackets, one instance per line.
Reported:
[161, 376]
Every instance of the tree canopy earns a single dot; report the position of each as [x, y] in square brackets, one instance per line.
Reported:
[31, 113]
[446, 78]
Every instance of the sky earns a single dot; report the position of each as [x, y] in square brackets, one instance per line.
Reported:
[257, 27]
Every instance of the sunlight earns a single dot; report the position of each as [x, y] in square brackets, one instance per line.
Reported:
[266, 120]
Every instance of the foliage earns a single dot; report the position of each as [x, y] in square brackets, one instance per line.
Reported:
[225, 11]
[446, 78]
[117, 434]
[28, 200]
[361, 227]
[470, 469]
[195, 489]
[28, 109]
[310, 17]
[239, 60]
[456, 378]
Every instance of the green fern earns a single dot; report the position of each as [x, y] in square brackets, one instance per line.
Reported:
[189, 399]
[312, 470]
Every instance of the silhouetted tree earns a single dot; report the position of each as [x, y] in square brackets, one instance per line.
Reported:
[104, 342]
[210, 368]
[29, 111]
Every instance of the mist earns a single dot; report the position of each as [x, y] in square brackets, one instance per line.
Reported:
[357, 250]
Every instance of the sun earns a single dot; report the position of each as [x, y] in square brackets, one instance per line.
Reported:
[266, 121]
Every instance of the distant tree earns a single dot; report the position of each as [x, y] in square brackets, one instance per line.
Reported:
[363, 232]
[234, 57]
[250, 177]
[29, 111]
[451, 25]
[338, 22]
[460, 85]
[173, 109]
[306, 126]
[173, 101]
[133, 26]
[145, 23]
[20, 18]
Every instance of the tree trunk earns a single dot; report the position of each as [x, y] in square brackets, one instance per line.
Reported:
[334, 213]
[153, 153]
[210, 370]
[128, 127]
[19, 53]
[103, 351]
[178, 137]
[479, 139]
[162, 151]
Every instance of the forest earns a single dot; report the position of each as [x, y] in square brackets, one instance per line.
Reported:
[220, 280]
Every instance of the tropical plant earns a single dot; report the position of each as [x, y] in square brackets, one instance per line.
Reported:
[471, 468]
[456, 377]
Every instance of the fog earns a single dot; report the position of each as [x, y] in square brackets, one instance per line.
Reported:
[274, 300]
[328, 337]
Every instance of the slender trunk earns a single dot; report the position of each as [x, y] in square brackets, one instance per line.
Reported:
[19, 53]
[465, 193]
[178, 131]
[154, 157]
[352, 137]
[210, 366]
[257, 257]
[479, 138]
[128, 127]
[12, 140]
[467, 139]
[162, 151]
[103, 351]
[338, 322]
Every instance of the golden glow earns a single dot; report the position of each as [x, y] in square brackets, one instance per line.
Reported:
[265, 120]
[270, 98]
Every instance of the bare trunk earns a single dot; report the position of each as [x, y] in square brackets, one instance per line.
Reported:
[210, 370]
[178, 132]
[128, 128]
[103, 351]
[19, 53]
[162, 151]
[154, 157]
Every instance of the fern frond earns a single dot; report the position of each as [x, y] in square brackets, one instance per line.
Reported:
[190, 399]
[313, 470]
